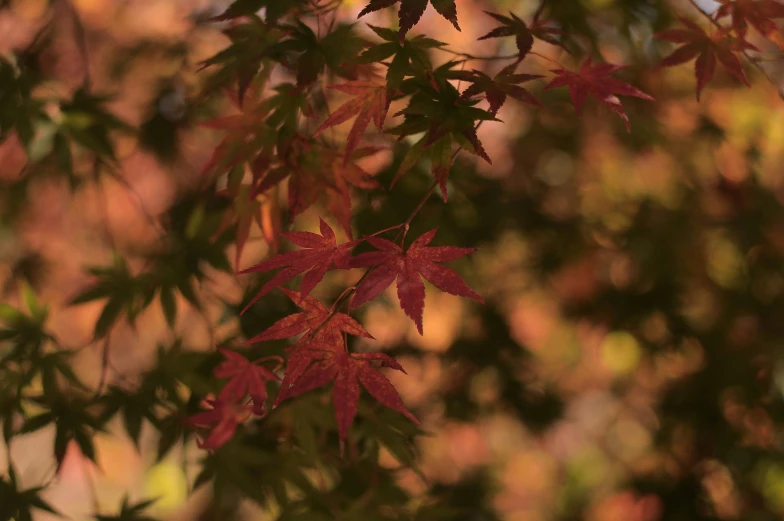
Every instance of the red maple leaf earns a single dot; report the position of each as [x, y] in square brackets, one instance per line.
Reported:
[314, 317]
[223, 420]
[369, 104]
[513, 26]
[315, 171]
[496, 89]
[541, 30]
[341, 175]
[524, 34]
[320, 254]
[300, 359]
[595, 80]
[720, 45]
[243, 137]
[245, 208]
[245, 378]
[248, 206]
[758, 13]
[412, 10]
[408, 267]
[320, 366]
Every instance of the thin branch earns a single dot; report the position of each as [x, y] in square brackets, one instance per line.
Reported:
[105, 362]
[139, 202]
[480, 58]
[462, 68]
[422, 202]
[334, 15]
[389, 229]
[539, 11]
[104, 202]
[771, 58]
[542, 56]
[80, 35]
[39, 36]
[407, 223]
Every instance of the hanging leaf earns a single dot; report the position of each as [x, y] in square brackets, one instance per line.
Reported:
[347, 371]
[595, 80]
[412, 10]
[315, 317]
[245, 378]
[369, 104]
[408, 267]
[320, 254]
[720, 45]
[757, 13]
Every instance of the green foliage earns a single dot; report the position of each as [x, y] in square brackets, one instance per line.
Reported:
[18, 505]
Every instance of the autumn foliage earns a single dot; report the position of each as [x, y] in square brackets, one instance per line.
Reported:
[311, 100]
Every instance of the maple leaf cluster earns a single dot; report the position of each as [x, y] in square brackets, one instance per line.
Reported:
[723, 44]
[266, 138]
[321, 354]
[278, 141]
[266, 142]
[313, 100]
[230, 409]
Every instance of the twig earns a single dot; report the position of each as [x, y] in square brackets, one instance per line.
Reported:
[406, 224]
[45, 27]
[422, 202]
[539, 11]
[80, 35]
[542, 56]
[139, 202]
[104, 202]
[334, 15]
[480, 58]
[773, 58]
[389, 229]
[104, 364]
[462, 68]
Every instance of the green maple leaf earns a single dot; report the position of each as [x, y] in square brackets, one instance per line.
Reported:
[125, 292]
[16, 505]
[254, 47]
[134, 406]
[72, 423]
[257, 474]
[496, 89]
[445, 117]
[412, 10]
[410, 56]
[333, 51]
[129, 512]
[86, 122]
[18, 109]
[274, 10]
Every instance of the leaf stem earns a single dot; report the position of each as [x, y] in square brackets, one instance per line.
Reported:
[539, 10]
[80, 35]
[468, 56]
[338, 300]
[407, 223]
[277, 358]
[104, 363]
[554, 62]
[395, 227]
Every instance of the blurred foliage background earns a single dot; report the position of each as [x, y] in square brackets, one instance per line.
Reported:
[628, 363]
